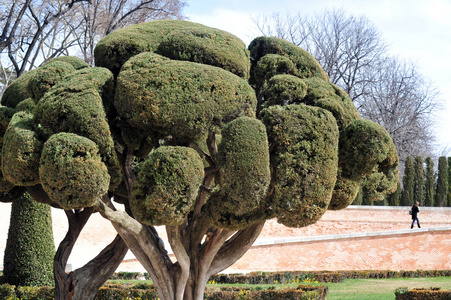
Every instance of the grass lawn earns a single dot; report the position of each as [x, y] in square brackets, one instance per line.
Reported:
[350, 289]
[370, 289]
[383, 289]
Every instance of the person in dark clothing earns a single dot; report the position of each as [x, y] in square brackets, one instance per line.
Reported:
[415, 210]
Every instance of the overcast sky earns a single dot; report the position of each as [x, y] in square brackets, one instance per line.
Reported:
[416, 30]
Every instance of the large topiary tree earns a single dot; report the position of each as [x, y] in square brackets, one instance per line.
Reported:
[187, 128]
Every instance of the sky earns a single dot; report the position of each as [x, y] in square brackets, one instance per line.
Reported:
[416, 30]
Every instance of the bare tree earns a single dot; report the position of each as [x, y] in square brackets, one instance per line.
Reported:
[100, 17]
[31, 31]
[35, 31]
[402, 101]
[352, 52]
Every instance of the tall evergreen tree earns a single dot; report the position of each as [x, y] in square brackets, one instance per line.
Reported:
[394, 198]
[359, 198]
[29, 251]
[418, 180]
[449, 181]
[430, 183]
[408, 182]
[366, 199]
[442, 182]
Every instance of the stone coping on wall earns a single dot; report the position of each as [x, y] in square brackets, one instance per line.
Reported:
[306, 239]
[375, 207]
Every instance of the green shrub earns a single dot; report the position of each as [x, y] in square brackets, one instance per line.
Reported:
[245, 293]
[431, 293]
[7, 291]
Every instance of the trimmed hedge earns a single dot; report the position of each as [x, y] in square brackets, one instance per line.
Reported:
[148, 292]
[302, 292]
[432, 293]
[321, 276]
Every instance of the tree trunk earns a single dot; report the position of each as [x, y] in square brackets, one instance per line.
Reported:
[198, 255]
[83, 283]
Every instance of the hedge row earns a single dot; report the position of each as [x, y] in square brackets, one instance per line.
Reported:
[26, 292]
[432, 293]
[148, 292]
[339, 276]
[302, 292]
[301, 276]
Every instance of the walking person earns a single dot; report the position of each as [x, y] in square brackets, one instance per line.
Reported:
[415, 210]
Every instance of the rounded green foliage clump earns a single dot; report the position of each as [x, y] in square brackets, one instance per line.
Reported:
[18, 90]
[363, 145]
[6, 114]
[21, 151]
[30, 249]
[76, 62]
[329, 96]
[27, 105]
[100, 79]
[345, 191]
[284, 90]
[243, 157]
[384, 178]
[115, 49]
[47, 76]
[167, 185]
[72, 172]
[75, 105]
[306, 65]
[207, 46]
[178, 98]
[304, 157]
[270, 65]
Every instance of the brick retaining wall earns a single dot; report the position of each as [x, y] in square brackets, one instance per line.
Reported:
[419, 249]
[356, 238]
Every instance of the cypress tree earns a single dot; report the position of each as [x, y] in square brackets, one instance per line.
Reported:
[419, 180]
[430, 182]
[366, 200]
[449, 181]
[393, 199]
[442, 182]
[407, 182]
[30, 249]
[359, 198]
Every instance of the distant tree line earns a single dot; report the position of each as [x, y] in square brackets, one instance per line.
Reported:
[421, 182]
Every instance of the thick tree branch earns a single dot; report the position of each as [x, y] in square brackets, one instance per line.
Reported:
[235, 248]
